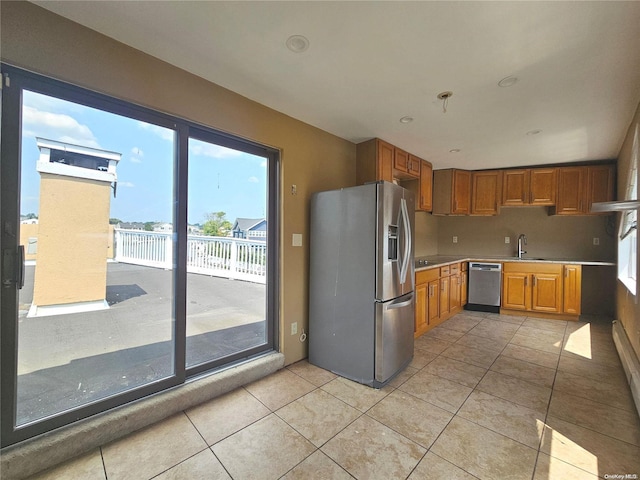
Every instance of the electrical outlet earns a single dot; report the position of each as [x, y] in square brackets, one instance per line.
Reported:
[296, 240]
[596, 241]
[507, 239]
[455, 239]
[294, 328]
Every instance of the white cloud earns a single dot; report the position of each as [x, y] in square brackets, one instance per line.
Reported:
[56, 126]
[254, 180]
[136, 155]
[126, 184]
[211, 150]
[163, 133]
[263, 163]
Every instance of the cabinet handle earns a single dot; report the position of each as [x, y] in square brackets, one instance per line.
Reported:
[534, 280]
[526, 281]
[442, 285]
[566, 272]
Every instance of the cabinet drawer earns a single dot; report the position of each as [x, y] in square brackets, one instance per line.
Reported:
[532, 267]
[445, 271]
[426, 276]
[454, 268]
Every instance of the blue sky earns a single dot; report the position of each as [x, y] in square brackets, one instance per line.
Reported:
[220, 179]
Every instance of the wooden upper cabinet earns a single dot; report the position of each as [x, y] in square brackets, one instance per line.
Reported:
[413, 168]
[401, 160]
[486, 192]
[579, 187]
[571, 191]
[515, 187]
[531, 186]
[600, 185]
[451, 192]
[543, 184]
[426, 187]
[405, 165]
[374, 161]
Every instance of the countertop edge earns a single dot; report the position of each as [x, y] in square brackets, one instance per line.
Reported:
[435, 262]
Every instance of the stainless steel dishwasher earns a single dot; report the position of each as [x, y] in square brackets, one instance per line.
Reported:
[485, 285]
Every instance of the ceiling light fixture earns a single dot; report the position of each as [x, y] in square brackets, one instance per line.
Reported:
[406, 119]
[445, 96]
[454, 150]
[508, 81]
[297, 43]
[534, 132]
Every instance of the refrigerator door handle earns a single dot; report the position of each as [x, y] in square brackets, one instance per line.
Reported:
[404, 303]
[407, 241]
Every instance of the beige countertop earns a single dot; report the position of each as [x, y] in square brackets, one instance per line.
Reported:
[442, 260]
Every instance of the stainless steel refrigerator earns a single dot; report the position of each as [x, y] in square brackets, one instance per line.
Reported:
[361, 298]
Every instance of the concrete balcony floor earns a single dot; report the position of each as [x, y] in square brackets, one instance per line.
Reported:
[65, 361]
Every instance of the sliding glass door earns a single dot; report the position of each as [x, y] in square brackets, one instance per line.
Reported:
[137, 250]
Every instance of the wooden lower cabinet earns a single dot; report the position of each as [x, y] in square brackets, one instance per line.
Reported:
[433, 301]
[464, 277]
[572, 289]
[422, 305]
[542, 288]
[439, 295]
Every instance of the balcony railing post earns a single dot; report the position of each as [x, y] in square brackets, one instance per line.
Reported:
[233, 265]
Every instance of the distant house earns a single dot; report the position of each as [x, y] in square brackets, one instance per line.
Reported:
[194, 230]
[250, 229]
[163, 227]
[131, 225]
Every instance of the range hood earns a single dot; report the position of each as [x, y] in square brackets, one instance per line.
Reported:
[618, 206]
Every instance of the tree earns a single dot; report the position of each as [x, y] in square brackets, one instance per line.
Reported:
[148, 226]
[216, 225]
[114, 221]
[31, 216]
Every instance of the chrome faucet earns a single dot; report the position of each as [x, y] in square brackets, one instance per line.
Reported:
[522, 240]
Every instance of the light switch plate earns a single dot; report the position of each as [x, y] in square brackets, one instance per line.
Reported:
[507, 239]
[596, 241]
[455, 239]
[296, 240]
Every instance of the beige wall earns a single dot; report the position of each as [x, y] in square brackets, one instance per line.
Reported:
[426, 229]
[314, 160]
[628, 306]
[548, 236]
[71, 265]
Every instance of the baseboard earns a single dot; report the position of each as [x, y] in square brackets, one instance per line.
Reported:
[629, 359]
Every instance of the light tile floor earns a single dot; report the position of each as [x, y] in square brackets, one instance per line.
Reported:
[487, 396]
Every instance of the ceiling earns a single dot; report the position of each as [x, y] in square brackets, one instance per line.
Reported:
[369, 64]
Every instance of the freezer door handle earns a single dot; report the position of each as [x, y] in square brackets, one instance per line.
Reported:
[404, 303]
[407, 241]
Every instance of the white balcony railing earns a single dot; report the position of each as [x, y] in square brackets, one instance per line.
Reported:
[215, 256]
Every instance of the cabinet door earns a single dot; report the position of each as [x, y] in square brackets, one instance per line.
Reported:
[426, 186]
[600, 185]
[421, 319]
[444, 296]
[401, 160]
[515, 187]
[385, 159]
[516, 291]
[454, 293]
[433, 309]
[572, 289]
[413, 166]
[485, 192]
[463, 288]
[546, 292]
[543, 184]
[571, 198]
[461, 198]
